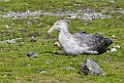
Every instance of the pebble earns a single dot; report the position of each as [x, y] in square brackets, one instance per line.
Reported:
[28, 65]
[99, 33]
[10, 41]
[21, 43]
[113, 36]
[7, 26]
[35, 55]
[70, 68]
[116, 46]
[4, 76]
[33, 39]
[47, 62]
[113, 49]
[31, 53]
[43, 72]
[57, 44]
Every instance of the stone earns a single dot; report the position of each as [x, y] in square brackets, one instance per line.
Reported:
[57, 44]
[70, 68]
[113, 49]
[31, 53]
[10, 41]
[89, 67]
[33, 39]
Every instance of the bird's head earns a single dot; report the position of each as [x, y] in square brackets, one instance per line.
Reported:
[59, 25]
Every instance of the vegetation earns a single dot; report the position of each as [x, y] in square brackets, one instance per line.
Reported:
[50, 66]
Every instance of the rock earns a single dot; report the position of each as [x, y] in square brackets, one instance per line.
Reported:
[57, 44]
[4, 76]
[31, 53]
[116, 46]
[7, 26]
[113, 49]
[35, 55]
[21, 43]
[89, 67]
[99, 33]
[28, 65]
[10, 41]
[47, 62]
[113, 36]
[33, 39]
[43, 72]
[70, 68]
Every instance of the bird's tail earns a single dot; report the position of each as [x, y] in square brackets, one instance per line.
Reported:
[108, 42]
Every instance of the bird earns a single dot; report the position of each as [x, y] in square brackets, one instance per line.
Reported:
[80, 42]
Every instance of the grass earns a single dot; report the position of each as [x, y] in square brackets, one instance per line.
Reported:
[17, 68]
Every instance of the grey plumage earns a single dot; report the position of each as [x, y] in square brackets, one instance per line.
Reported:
[95, 42]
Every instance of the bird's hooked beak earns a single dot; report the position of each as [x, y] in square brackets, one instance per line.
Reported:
[52, 29]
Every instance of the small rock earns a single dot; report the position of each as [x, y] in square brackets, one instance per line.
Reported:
[31, 53]
[28, 65]
[99, 33]
[113, 36]
[21, 43]
[47, 62]
[113, 49]
[70, 68]
[57, 44]
[116, 46]
[35, 55]
[10, 41]
[33, 39]
[7, 26]
[5, 76]
[43, 72]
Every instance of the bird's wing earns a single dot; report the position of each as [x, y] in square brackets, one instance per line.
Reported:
[82, 38]
[94, 42]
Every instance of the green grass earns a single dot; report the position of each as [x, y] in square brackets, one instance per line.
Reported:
[15, 67]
